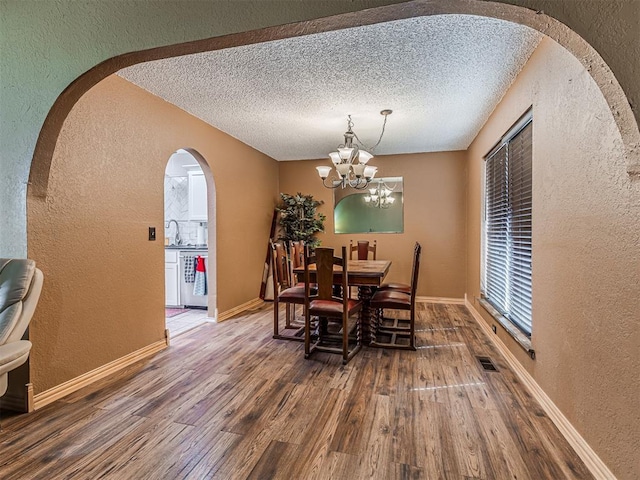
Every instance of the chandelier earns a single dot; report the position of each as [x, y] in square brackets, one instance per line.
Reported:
[350, 161]
[380, 196]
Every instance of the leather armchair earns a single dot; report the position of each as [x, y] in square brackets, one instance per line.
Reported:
[20, 287]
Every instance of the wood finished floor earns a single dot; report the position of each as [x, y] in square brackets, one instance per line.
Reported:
[227, 401]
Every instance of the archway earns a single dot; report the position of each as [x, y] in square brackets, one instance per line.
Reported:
[189, 214]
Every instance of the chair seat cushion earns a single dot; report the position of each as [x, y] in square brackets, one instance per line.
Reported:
[333, 308]
[292, 295]
[391, 299]
[399, 287]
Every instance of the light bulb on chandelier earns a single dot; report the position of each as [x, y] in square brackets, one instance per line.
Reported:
[350, 161]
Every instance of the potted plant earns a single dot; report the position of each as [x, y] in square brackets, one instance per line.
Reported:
[299, 219]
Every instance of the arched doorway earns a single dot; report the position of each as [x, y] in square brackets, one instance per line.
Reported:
[189, 214]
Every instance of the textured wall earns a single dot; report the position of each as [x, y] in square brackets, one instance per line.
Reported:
[586, 265]
[104, 294]
[434, 215]
[66, 38]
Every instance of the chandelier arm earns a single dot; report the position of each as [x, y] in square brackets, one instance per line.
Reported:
[362, 186]
[332, 185]
[358, 183]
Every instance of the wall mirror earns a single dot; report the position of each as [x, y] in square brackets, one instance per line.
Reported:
[378, 208]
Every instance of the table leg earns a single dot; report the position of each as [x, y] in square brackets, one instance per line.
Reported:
[367, 315]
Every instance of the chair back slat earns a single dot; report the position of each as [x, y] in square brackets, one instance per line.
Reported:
[280, 266]
[325, 261]
[362, 248]
[296, 253]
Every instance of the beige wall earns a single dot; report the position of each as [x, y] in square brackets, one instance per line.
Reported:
[434, 215]
[586, 271]
[104, 292]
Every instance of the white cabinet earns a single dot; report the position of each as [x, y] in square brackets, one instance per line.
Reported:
[197, 196]
[171, 278]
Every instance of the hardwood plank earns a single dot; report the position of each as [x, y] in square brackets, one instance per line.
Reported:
[315, 449]
[355, 415]
[402, 471]
[300, 414]
[376, 457]
[276, 462]
[464, 430]
[498, 443]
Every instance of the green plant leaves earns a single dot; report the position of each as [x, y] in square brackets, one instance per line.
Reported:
[299, 219]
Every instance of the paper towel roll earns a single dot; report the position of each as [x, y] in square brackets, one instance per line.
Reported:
[201, 239]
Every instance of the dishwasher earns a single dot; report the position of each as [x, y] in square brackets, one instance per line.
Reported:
[187, 269]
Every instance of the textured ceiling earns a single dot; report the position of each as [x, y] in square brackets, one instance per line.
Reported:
[441, 75]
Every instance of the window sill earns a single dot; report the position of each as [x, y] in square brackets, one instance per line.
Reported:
[516, 334]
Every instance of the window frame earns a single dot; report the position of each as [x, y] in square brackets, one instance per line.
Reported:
[520, 332]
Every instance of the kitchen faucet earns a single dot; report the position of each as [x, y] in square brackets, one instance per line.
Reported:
[177, 240]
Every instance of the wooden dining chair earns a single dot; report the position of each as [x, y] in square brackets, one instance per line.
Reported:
[400, 287]
[284, 292]
[363, 248]
[329, 307]
[396, 332]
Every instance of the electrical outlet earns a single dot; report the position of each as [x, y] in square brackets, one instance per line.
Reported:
[495, 330]
[152, 234]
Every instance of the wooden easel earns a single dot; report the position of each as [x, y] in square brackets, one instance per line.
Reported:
[266, 273]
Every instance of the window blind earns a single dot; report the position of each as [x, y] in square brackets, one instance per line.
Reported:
[507, 228]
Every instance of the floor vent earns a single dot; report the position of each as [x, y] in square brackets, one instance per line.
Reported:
[487, 364]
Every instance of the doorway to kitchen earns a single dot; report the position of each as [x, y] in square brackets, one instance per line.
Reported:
[189, 214]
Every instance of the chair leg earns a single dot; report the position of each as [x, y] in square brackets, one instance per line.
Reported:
[307, 334]
[287, 321]
[276, 307]
[412, 330]
[375, 321]
[345, 338]
[290, 306]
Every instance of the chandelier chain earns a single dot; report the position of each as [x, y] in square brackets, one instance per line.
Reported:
[371, 149]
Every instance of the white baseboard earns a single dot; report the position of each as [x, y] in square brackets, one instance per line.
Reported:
[256, 302]
[457, 301]
[48, 396]
[595, 465]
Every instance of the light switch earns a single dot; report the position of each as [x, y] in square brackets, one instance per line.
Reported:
[152, 233]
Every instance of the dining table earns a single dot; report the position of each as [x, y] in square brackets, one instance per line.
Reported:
[366, 275]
